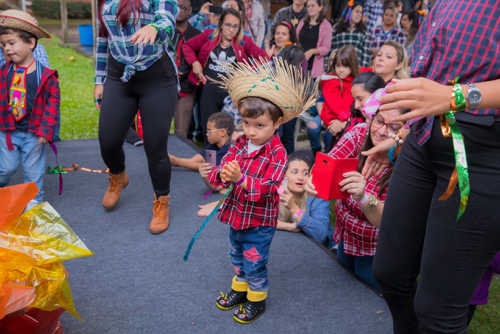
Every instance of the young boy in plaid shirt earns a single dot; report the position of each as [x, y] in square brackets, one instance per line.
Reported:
[255, 165]
[29, 101]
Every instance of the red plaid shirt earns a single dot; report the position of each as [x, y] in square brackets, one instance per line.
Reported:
[264, 170]
[457, 38]
[351, 225]
[44, 115]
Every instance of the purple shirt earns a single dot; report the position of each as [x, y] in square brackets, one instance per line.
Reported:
[457, 38]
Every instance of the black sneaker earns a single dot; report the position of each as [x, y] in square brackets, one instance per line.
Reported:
[231, 300]
[249, 311]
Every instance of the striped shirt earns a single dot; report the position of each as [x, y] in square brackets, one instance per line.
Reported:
[457, 38]
[135, 57]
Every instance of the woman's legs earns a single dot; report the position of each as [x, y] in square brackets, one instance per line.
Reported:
[118, 109]
[420, 235]
[157, 103]
[183, 114]
[211, 101]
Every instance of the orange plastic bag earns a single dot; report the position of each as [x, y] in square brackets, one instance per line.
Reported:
[32, 249]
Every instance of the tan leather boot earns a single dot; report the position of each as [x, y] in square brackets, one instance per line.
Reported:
[161, 209]
[117, 182]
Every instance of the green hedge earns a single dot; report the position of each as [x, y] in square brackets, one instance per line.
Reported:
[51, 9]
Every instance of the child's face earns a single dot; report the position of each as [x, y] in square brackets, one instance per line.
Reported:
[342, 71]
[259, 130]
[389, 17]
[214, 135]
[16, 49]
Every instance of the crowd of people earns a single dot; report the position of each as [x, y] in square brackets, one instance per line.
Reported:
[230, 68]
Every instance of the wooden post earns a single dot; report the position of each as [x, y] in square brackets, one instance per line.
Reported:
[94, 23]
[64, 20]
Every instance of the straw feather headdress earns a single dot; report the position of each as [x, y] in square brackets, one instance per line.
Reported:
[279, 82]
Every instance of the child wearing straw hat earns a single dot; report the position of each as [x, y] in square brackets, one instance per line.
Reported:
[254, 166]
[29, 101]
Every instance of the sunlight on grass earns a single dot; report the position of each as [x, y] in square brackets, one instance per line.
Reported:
[76, 79]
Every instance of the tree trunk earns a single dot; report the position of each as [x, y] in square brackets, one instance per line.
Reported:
[64, 20]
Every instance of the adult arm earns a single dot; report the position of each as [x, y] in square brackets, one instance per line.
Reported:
[165, 12]
[315, 221]
[425, 97]
[192, 46]
[252, 50]
[101, 58]
[40, 54]
[325, 38]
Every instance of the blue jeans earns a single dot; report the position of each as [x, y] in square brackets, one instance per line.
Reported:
[314, 134]
[361, 266]
[29, 153]
[249, 255]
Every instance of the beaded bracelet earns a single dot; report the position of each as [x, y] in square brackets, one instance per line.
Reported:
[297, 214]
[241, 180]
[396, 138]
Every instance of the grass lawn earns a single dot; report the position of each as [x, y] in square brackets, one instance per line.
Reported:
[76, 79]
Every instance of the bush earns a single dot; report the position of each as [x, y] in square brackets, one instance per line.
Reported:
[51, 9]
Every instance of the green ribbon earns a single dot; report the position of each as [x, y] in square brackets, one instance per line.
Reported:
[460, 162]
[56, 170]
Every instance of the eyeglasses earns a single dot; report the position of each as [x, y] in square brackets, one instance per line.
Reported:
[379, 122]
[231, 26]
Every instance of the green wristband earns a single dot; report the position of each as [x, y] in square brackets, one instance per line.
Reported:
[459, 96]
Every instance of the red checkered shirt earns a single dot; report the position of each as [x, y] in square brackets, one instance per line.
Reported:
[264, 170]
[45, 112]
[351, 225]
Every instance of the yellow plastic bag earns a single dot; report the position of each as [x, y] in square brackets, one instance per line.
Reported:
[32, 249]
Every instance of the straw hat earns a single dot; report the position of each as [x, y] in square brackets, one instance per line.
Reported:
[282, 84]
[18, 19]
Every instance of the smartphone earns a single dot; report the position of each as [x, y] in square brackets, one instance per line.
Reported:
[215, 9]
[283, 186]
[211, 157]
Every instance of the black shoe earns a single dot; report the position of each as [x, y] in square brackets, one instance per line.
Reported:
[231, 300]
[249, 311]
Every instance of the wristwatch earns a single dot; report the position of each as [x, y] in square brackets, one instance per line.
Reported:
[474, 97]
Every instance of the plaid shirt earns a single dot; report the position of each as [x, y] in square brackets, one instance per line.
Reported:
[351, 225]
[45, 111]
[39, 54]
[135, 57]
[264, 170]
[357, 39]
[373, 10]
[457, 38]
[380, 36]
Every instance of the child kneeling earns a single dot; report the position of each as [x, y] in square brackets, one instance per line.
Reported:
[220, 127]
[254, 166]
[29, 101]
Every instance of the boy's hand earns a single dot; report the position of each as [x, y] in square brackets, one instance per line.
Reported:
[231, 172]
[42, 140]
[205, 169]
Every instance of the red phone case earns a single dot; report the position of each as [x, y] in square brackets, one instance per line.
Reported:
[328, 172]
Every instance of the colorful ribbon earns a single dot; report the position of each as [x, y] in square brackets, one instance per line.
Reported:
[449, 127]
[205, 222]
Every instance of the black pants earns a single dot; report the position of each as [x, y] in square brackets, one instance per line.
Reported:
[420, 236]
[154, 92]
[211, 101]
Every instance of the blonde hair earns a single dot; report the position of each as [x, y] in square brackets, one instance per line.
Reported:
[402, 73]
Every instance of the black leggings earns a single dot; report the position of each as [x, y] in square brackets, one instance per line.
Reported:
[420, 236]
[154, 92]
[211, 101]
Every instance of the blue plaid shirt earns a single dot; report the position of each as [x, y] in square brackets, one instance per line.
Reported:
[135, 57]
[380, 36]
[39, 54]
[373, 10]
[457, 38]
